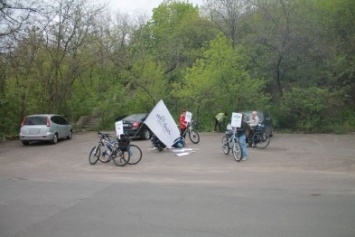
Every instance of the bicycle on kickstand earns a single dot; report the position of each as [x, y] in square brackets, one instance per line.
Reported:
[134, 151]
[230, 141]
[193, 134]
[114, 151]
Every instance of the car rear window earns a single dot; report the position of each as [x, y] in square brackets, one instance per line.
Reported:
[38, 120]
[135, 117]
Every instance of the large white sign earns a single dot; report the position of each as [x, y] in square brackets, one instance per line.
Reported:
[236, 120]
[162, 124]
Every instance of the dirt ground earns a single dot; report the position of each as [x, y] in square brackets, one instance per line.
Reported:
[301, 185]
[286, 152]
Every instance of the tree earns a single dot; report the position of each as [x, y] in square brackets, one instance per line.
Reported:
[14, 15]
[227, 15]
[220, 81]
[176, 37]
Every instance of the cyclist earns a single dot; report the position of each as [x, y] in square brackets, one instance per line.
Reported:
[183, 124]
[254, 120]
[253, 123]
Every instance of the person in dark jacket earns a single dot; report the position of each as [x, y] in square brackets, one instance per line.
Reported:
[241, 133]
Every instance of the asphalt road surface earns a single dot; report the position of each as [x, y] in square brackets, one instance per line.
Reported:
[301, 185]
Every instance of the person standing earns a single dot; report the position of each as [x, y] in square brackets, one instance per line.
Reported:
[219, 118]
[253, 123]
[254, 120]
[241, 133]
[183, 124]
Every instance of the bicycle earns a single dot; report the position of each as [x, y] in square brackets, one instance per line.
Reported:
[114, 151]
[259, 138]
[231, 142]
[135, 153]
[193, 134]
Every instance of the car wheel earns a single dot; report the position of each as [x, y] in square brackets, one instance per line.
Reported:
[70, 135]
[25, 143]
[55, 139]
[145, 134]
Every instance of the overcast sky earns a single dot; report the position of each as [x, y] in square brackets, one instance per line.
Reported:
[146, 6]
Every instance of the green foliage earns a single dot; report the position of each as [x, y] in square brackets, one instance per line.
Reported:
[294, 58]
[178, 33]
[220, 82]
[304, 108]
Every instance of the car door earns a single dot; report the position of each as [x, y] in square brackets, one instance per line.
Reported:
[66, 126]
[63, 127]
[55, 125]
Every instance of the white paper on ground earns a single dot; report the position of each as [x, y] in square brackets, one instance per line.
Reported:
[182, 154]
[183, 150]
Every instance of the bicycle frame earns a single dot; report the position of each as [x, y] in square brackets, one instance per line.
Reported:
[259, 139]
[188, 129]
[112, 152]
[193, 134]
[231, 142]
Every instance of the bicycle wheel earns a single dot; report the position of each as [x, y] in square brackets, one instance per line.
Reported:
[225, 146]
[194, 136]
[263, 142]
[105, 157]
[135, 154]
[122, 159]
[237, 151]
[94, 155]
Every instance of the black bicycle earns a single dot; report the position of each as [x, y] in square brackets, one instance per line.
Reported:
[259, 138]
[124, 144]
[135, 154]
[114, 150]
[193, 134]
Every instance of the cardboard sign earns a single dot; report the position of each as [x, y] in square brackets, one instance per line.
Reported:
[188, 117]
[236, 120]
[119, 128]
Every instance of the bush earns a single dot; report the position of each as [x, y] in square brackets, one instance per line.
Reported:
[303, 109]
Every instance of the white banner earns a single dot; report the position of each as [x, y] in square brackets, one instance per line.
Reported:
[162, 124]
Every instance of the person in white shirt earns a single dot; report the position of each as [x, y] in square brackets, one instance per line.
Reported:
[253, 123]
[254, 120]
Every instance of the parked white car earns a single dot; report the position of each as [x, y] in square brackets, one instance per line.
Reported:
[45, 127]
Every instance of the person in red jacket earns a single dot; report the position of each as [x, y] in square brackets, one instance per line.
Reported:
[183, 123]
